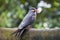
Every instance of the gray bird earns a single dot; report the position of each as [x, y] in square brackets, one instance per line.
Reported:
[27, 20]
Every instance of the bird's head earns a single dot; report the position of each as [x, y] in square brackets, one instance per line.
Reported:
[35, 10]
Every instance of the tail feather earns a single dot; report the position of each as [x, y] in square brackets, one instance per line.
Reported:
[19, 33]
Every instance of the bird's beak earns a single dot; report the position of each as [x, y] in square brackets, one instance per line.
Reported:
[34, 10]
[38, 10]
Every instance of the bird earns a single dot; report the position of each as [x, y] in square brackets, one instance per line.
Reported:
[27, 20]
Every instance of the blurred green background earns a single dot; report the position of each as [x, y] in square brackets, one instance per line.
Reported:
[13, 11]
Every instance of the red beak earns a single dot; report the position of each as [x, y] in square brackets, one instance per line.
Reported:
[35, 10]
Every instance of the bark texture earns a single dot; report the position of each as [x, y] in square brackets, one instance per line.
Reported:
[32, 34]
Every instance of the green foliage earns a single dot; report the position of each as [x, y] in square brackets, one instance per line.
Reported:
[13, 11]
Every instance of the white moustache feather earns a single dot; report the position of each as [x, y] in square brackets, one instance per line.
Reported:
[39, 10]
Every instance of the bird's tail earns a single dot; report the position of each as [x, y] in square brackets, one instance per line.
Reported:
[19, 33]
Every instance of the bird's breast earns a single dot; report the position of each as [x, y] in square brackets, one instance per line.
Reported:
[34, 16]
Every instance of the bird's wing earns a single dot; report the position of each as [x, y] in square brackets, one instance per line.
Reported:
[27, 20]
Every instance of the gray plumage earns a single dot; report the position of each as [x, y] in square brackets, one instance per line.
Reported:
[27, 20]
